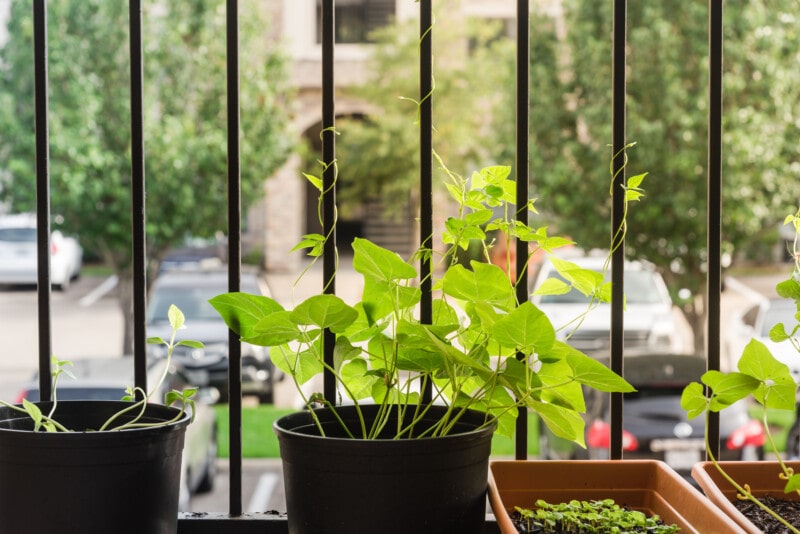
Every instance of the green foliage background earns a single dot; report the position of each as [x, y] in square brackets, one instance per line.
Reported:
[570, 122]
[185, 118]
[667, 112]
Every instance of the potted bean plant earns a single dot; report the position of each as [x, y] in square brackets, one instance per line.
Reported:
[384, 457]
[760, 496]
[94, 466]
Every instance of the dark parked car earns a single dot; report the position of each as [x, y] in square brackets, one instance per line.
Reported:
[654, 424]
[107, 378]
[195, 254]
[190, 290]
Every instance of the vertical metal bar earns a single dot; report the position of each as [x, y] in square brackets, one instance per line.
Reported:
[42, 195]
[426, 164]
[328, 184]
[523, 102]
[234, 256]
[617, 217]
[714, 280]
[138, 195]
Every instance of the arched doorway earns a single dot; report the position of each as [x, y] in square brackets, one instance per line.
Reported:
[359, 215]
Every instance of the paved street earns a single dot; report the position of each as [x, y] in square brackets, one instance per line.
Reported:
[84, 324]
[262, 488]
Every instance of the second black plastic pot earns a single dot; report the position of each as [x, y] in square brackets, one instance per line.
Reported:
[335, 484]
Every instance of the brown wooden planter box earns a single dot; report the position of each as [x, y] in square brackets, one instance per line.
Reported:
[647, 485]
[761, 476]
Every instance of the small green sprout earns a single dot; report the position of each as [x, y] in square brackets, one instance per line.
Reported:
[184, 398]
[135, 395]
[596, 517]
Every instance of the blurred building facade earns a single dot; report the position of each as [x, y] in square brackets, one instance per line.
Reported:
[288, 209]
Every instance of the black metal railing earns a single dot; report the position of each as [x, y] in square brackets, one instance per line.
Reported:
[235, 522]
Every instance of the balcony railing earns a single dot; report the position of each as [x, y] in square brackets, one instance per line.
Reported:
[235, 522]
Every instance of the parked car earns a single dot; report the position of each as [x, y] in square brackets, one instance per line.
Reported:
[190, 290]
[649, 319]
[756, 322]
[18, 253]
[654, 424]
[107, 378]
[194, 254]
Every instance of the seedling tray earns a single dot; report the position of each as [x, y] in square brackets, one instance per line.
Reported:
[650, 486]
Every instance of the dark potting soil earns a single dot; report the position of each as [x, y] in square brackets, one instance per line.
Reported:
[789, 510]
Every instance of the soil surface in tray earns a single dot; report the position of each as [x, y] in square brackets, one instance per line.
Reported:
[604, 526]
[789, 510]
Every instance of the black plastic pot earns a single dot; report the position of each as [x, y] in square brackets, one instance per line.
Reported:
[335, 484]
[88, 482]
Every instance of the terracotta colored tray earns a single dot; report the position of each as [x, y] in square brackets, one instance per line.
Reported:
[761, 476]
[647, 485]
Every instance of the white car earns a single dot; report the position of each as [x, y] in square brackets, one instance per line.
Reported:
[756, 322]
[18, 253]
[649, 321]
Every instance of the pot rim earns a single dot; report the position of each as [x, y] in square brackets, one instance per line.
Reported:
[159, 412]
[289, 425]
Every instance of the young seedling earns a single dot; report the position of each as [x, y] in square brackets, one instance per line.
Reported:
[39, 420]
[594, 517]
[183, 398]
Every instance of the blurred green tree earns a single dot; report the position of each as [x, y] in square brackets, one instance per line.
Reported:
[185, 120]
[667, 113]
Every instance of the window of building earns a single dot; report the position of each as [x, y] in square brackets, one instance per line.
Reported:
[355, 20]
